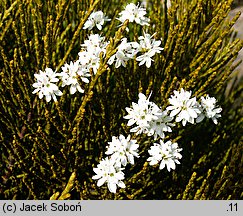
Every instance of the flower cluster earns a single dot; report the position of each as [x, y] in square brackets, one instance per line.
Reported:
[209, 109]
[45, 84]
[134, 13]
[108, 171]
[76, 73]
[183, 107]
[186, 109]
[89, 57]
[147, 47]
[73, 74]
[145, 116]
[95, 19]
[69, 76]
[166, 153]
[121, 151]
[149, 119]
[125, 51]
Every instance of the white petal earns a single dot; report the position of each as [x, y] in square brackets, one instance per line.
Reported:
[111, 59]
[131, 122]
[48, 98]
[148, 63]
[96, 177]
[192, 113]
[99, 26]
[101, 182]
[35, 91]
[40, 95]
[174, 112]
[121, 184]
[183, 122]
[215, 121]
[54, 97]
[72, 89]
[112, 187]
[80, 89]
[162, 165]
[200, 118]
[86, 80]
[58, 92]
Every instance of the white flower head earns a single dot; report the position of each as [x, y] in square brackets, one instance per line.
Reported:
[87, 61]
[123, 150]
[149, 47]
[108, 172]
[95, 44]
[95, 19]
[141, 114]
[89, 57]
[161, 125]
[185, 108]
[167, 154]
[125, 51]
[209, 109]
[45, 85]
[134, 13]
[69, 76]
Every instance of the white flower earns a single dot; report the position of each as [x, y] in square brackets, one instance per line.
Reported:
[167, 154]
[145, 58]
[95, 19]
[89, 58]
[108, 172]
[45, 85]
[69, 76]
[209, 109]
[160, 125]
[84, 74]
[95, 44]
[185, 109]
[134, 14]
[141, 114]
[123, 150]
[149, 47]
[147, 43]
[125, 51]
[120, 58]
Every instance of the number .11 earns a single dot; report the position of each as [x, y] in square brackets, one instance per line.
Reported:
[233, 207]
